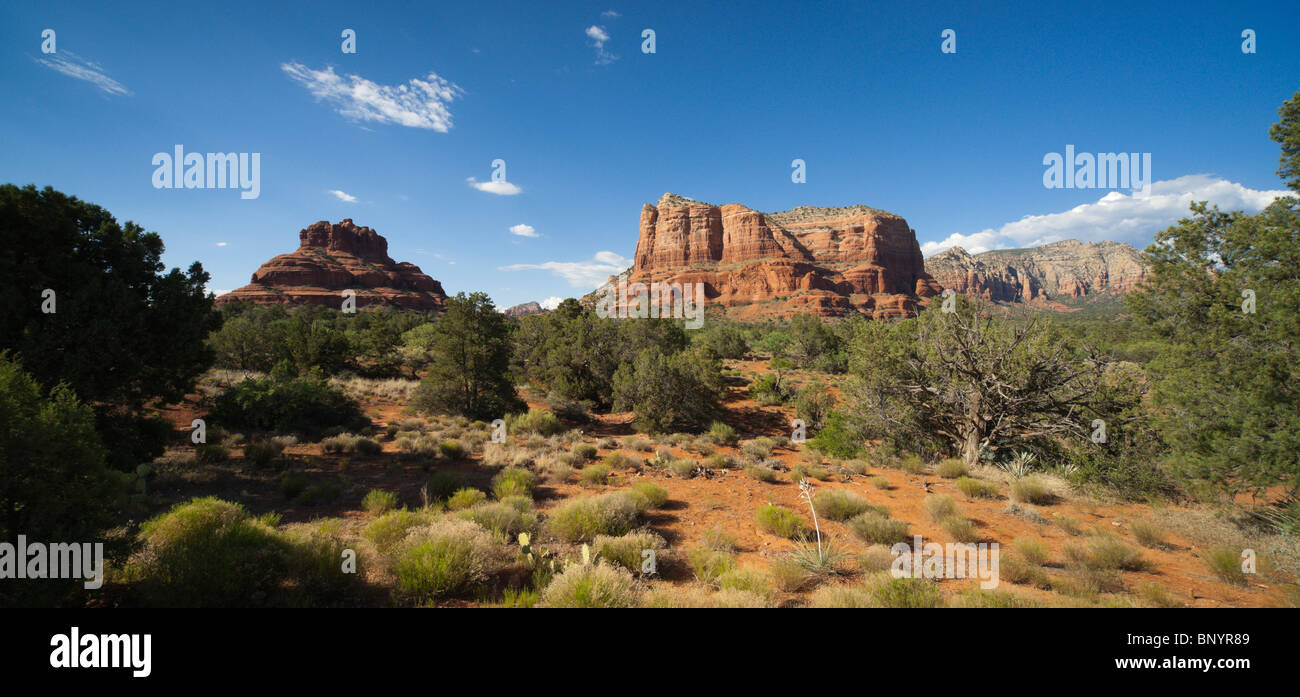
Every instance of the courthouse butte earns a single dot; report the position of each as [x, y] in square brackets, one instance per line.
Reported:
[831, 262]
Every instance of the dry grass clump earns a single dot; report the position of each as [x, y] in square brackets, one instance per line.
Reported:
[839, 504]
[506, 518]
[1148, 534]
[628, 551]
[882, 590]
[1032, 489]
[444, 557]
[582, 519]
[961, 529]
[465, 498]
[1106, 552]
[710, 564]
[761, 473]
[950, 468]
[780, 521]
[977, 489]
[1225, 562]
[939, 507]
[996, 598]
[877, 528]
[592, 585]
[1031, 550]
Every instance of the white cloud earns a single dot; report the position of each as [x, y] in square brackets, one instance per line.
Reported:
[523, 230]
[598, 37]
[551, 303]
[219, 291]
[222, 244]
[500, 188]
[420, 103]
[72, 65]
[610, 14]
[580, 274]
[1131, 218]
[343, 196]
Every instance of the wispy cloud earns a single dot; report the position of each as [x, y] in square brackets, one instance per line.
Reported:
[72, 65]
[222, 244]
[420, 103]
[343, 196]
[1116, 216]
[523, 230]
[500, 188]
[610, 14]
[580, 274]
[599, 37]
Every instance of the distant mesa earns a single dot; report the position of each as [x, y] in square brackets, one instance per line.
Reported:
[1057, 276]
[830, 262]
[524, 309]
[333, 258]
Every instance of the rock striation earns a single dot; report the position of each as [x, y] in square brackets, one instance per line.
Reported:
[1059, 275]
[826, 261]
[333, 258]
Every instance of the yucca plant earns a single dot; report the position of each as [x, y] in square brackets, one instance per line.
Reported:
[1020, 464]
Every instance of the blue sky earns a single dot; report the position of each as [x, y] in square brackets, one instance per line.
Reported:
[590, 128]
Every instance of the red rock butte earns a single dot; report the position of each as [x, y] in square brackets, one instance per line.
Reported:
[830, 262]
[333, 258]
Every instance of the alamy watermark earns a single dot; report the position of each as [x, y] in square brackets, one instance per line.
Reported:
[1104, 170]
[214, 170]
[666, 300]
[58, 560]
[951, 560]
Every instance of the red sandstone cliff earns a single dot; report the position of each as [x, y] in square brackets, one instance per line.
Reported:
[827, 261]
[334, 258]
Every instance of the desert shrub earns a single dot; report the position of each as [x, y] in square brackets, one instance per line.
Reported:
[819, 560]
[976, 489]
[839, 504]
[209, 553]
[615, 461]
[722, 434]
[962, 529]
[1014, 569]
[583, 519]
[501, 517]
[756, 450]
[950, 468]
[682, 468]
[377, 502]
[452, 449]
[717, 462]
[315, 550]
[997, 598]
[1033, 490]
[878, 557]
[539, 421]
[583, 452]
[1158, 596]
[442, 484]
[769, 390]
[761, 473]
[813, 404]
[464, 498]
[654, 495]
[1107, 552]
[748, 579]
[1225, 562]
[842, 597]
[210, 453]
[880, 482]
[303, 405]
[592, 585]
[514, 481]
[627, 550]
[1031, 550]
[718, 540]
[595, 474]
[320, 493]
[800, 472]
[677, 597]
[780, 521]
[875, 528]
[261, 454]
[710, 564]
[1068, 523]
[789, 576]
[390, 528]
[905, 593]
[1148, 535]
[682, 390]
[292, 484]
[639, 444]
[444, 557]
[911, 464]
[939, 507]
